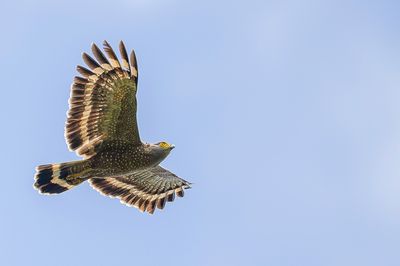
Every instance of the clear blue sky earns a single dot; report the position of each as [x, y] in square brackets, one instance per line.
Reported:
[285, 116]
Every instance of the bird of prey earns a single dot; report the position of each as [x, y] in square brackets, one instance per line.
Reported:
[102, 128]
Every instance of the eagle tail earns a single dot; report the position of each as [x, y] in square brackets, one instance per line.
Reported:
[57, 178]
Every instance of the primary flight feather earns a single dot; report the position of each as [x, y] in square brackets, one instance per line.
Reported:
[102, 127]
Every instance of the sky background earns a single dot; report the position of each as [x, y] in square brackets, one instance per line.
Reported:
[285, 116]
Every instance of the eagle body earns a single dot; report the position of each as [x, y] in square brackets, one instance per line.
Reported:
[102, 128]
[122, 158]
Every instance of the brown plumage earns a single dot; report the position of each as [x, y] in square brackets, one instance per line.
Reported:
[102, 127]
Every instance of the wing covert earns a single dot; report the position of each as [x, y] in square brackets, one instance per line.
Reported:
[144, 190]
[103, 101]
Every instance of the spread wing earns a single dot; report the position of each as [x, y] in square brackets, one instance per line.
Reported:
[103, 101]
[144, 190]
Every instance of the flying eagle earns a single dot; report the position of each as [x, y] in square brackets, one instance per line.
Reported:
[102, 128]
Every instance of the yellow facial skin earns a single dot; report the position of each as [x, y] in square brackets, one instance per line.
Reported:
[165, 145]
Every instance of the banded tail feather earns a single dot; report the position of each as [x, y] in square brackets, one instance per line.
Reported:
[57, 178]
